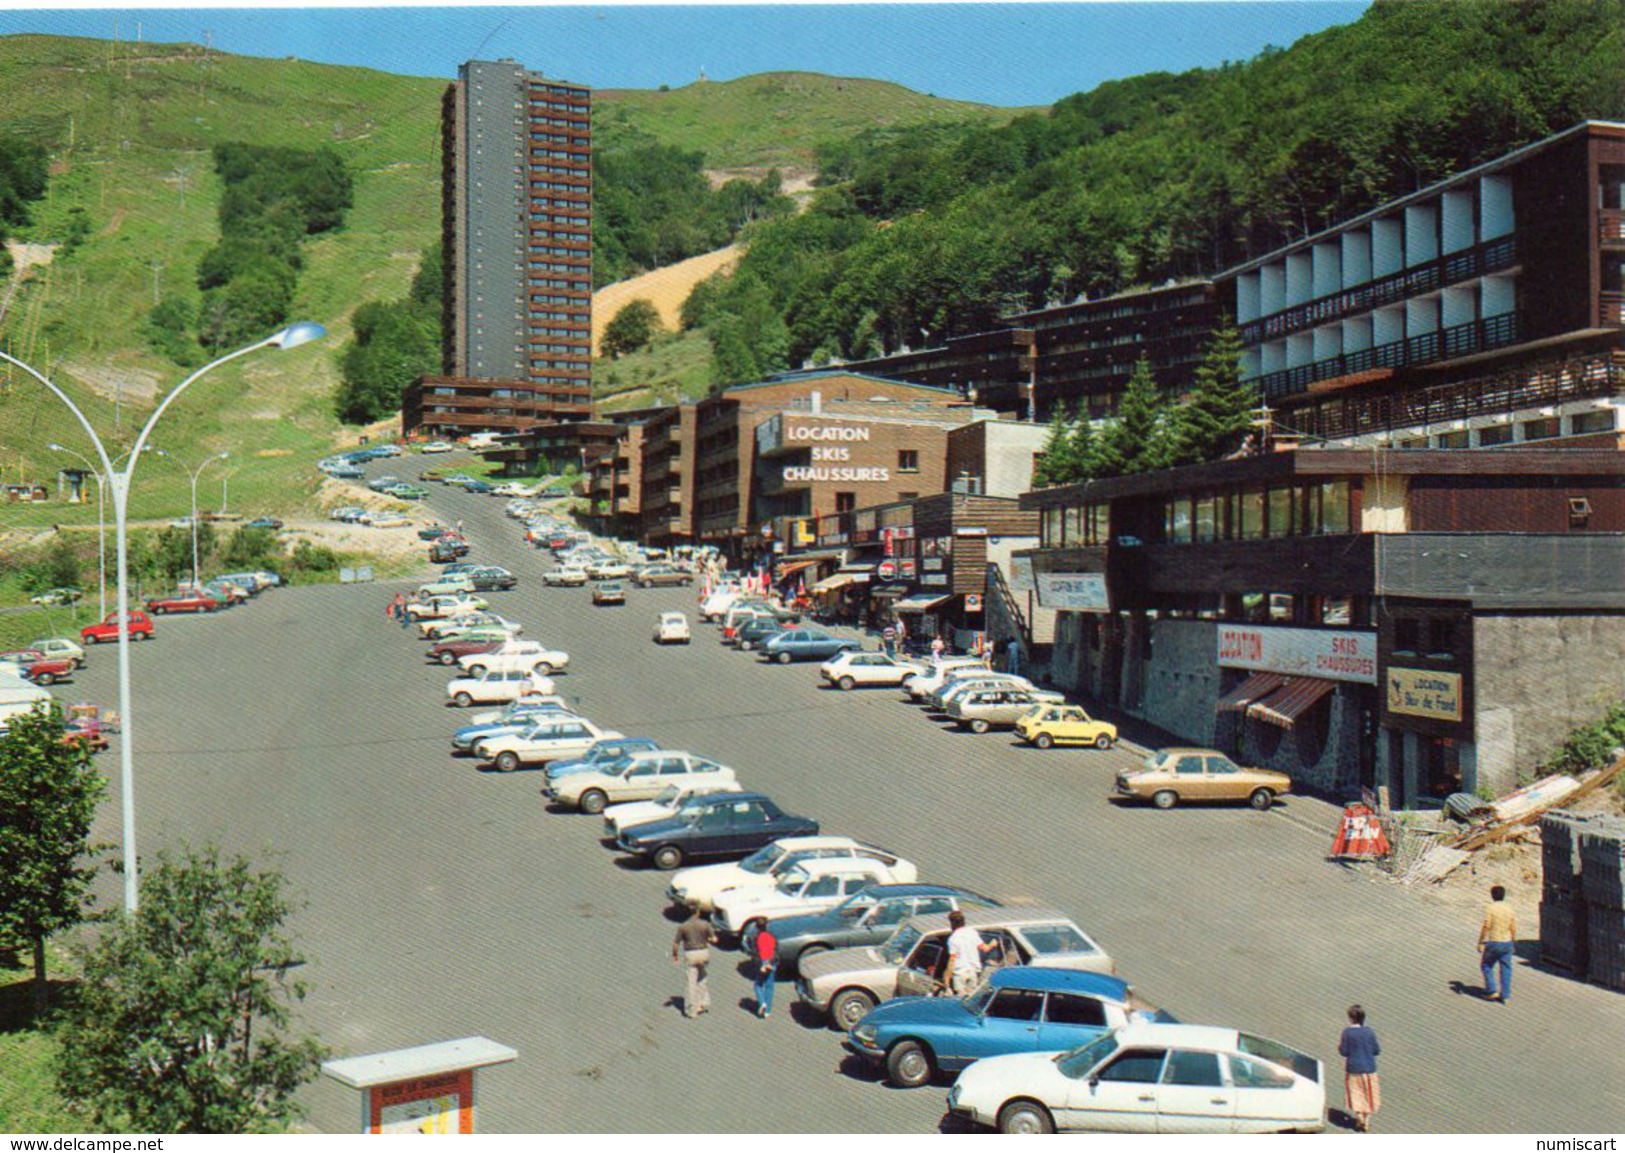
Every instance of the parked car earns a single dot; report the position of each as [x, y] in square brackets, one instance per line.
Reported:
[253, 582]
[458, 584]
[946, 696]
[448, 652]
[718, 602]
[543, 739]
[801, 644]
[603, 753]
[441, 606]
[728, 824]
[609, 593]
[670, 800]
[438, 446]
[1149, 1078]
[1024, 1009]
[269, 522]
[661, 574]
[183, 602]
[59, 647]
[640, 777]
[37, 667]
[492, 578]
[526, 656]
[389, 520]
[672, 628]
[475, 626]
[609, 569]
[228, 593]
[432, 532]
[139, 628]
[512, 713]
[1065, 725]
[846, 983]
[699, 887]
[565, 577]
[496, 687]
[867, 918]
[850, 670]
[447, 548]
[56, 596]
[809, 887]
[997, 708]
[1185, 774]
[936, 675]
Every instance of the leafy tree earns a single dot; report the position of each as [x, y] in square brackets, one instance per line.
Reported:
[633, 327]
[58, 567]
[48, 798]
[24, 168]
[1139, 439]
[169, 329]
[182, 1021]
[1216, 419]
[395, 343]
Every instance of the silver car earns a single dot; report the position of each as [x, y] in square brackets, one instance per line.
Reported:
[845, 984]
[982, 709]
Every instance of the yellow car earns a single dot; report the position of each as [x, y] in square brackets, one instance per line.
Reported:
[1173, 776]
[1049, 725]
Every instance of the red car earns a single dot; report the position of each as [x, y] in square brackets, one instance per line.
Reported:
[107, 630]
[447, 652]
[183, 602]
[38, 667]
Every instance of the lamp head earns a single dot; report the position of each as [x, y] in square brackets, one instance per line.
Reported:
[54, 447]
[301, 332]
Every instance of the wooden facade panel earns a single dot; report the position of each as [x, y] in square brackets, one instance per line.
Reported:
[1303, 566]
[1515, 503]
[970, 564]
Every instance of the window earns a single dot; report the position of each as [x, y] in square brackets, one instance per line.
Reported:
[1071, 1009]
[1017, 1005]
[1582, 422]
[1185, 1068]
[926, 906]
[1250, 1074]
[1542, 429]
[1059, 938]
[1188, 766]
[1074, 525]
[822, 887]
[1220, 766]
[1453, 440]
[1178, 521]
[1207, 523]
[1334, 507]
[1136, 1066]
[1407, 635]
[1494, 435]
[1051, 532]
[1250, 514]
[845, 501]
[1280, 511]
[908, 460]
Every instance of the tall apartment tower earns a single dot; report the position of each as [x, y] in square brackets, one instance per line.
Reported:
[517, 230]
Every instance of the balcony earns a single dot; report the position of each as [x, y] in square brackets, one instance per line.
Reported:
[1424, 348]
[1611, 226]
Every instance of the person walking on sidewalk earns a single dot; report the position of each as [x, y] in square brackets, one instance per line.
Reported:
[767, 966]
[1358, 1048]
[692, 950]
[1012, 662]
[1498, 940]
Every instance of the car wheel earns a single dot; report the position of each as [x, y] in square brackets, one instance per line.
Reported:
[811, 951]
[782, 658]
[1044, 741]
[979, 725]
[847, 684]
[141, 636]
[593, 802]
[1103, 741]
[909, 1065]
[744, 646]
[542, 669]
[448, 658]
[1025, 1117]
[1165, 798]
[91, 639]
[476, 670]
[507, 762]
[849, 1007]
[1261, 800]
[667, 857]
[463, 700]
[47, 678]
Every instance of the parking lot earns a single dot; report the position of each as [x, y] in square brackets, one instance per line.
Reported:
[442, 901]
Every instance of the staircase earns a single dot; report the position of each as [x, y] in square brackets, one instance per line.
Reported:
[1006, 617]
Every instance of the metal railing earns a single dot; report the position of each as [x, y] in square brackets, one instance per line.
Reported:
[1423, 348]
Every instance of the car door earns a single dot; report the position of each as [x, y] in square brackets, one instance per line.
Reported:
[641, 781]
[921, 975]
[1225, 782]
[1193, 1096]
[1119, 1097]
[1070, 1020]
[1009, 1024]
[1190, 777]
[825, 890]
[1263, 1095]
[750, 827]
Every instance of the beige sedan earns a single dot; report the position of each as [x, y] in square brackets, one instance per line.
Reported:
[1188, 774]
[982, 709]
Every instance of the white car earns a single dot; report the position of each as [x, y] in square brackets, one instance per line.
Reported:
[609, 570]
[526, 656]
[719, 602]
[671, 799]
[1149, 1078]
[937, 673]
[495, 688]
[809, 887]
[516, 712]
[700, 886]
[447, 586]
[959, 689]
[59, 648]
[545, 739]
[443, 628]
[439, 446]
[565, 577]
[441, 605]
[389, 520]
[672, 629]
[640, 778]
[852, 670]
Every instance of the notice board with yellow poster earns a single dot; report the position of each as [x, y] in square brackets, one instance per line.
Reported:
[1421, 693]
[425, 1090]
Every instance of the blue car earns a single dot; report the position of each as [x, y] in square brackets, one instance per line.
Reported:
[803, 644]
[601, 756]
[1019, 1009]
[515, 717]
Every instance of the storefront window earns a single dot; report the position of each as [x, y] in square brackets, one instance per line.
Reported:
[1334, 507]
[1283, 606]
[1207, 525]
[1178, 522]
[1052, 532]
[1098, 523]
[1337, 611]
[1280, 511]
[1074, 525]
[1250, 514]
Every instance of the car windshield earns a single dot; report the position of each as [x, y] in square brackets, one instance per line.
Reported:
[669, 795]
[1077, 1063]
[792, 881]
[901, 944]
[976, 1003]
[762, 860]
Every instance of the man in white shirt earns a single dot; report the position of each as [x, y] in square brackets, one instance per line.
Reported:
[965, 949]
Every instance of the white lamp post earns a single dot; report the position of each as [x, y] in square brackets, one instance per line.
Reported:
[290, 337]
[193, 474]
[101, 528]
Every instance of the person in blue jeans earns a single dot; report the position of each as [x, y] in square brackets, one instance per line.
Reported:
[767, 962]
[1498, 940]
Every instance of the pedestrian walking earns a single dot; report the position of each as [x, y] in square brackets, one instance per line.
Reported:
[692, 950]
[1358, 1048]
[1012, 661]
[1498, 940]
[902, 636]
[392, 611]
[937, 647]
[965, 949]
[888, 640]
[767, 966]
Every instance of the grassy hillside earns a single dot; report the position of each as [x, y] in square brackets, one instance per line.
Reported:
[777, 118]
[677, 366]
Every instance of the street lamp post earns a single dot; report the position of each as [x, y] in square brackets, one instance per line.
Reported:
[119, 481]
[193, 474]
[101, 527]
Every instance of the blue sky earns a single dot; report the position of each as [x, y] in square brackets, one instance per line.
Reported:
[1007, 54]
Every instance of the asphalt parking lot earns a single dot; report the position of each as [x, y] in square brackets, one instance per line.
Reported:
[444, 901]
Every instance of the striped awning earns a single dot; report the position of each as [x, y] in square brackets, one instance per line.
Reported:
[1254, 688]
[839, 581]
[1284, 706]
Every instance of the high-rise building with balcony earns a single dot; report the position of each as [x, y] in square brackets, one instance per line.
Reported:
[517, 231]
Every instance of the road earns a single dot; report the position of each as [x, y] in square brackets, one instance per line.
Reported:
[443, 901]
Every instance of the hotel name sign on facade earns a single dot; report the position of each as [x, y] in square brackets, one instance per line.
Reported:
[837, 451]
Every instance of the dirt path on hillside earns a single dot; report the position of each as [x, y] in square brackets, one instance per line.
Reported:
[665, 288]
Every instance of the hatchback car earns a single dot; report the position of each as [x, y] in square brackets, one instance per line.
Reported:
[809, 887]
[609, 593]
[867, 918]
[565, 577]
[1025, 1009]
[672, 629]
[1065, 725]
[494, 688]
[1171, 776]
[641, 777]
[1149, 1078]
[852, 670]
[700, 887]
[799, 644]
[545, 738]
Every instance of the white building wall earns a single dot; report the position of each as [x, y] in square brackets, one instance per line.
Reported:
[1247, 297]
[1326, 264]
[1299, 283]
[1495, 195]
[1421, 234]
[1271, 288]
[1356, 256]
[1456, 227]
[1387, 246]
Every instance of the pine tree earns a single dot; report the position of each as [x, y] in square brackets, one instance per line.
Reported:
[1217, 418]
[1138, 441]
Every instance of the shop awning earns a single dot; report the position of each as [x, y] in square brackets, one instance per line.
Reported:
[1284, 706]
[789, 568]
[839, 581]
[921, 603]
[1254, 688]
[889, 591]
